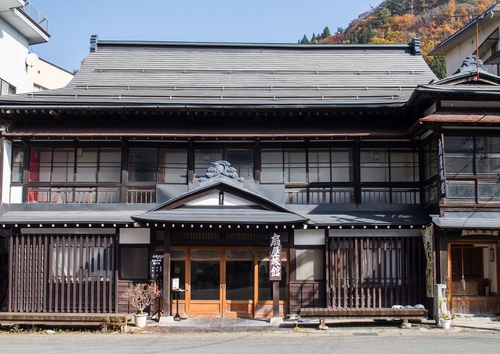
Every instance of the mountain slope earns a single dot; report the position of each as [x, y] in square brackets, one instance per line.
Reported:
[399, 21]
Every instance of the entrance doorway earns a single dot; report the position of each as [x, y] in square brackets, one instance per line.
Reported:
[473, 277]
[226, 282]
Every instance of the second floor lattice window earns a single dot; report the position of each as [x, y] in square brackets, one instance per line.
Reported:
[86, 165]
[157, 165]
[472, 165]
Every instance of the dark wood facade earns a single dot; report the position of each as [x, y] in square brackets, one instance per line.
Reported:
[204, 164]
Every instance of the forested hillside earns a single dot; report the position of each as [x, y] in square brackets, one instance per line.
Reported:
[399, 21]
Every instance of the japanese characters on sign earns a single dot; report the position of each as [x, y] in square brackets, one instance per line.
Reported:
[442, 177]
[275, 258]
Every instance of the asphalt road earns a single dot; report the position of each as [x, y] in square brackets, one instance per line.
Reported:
[286, 342]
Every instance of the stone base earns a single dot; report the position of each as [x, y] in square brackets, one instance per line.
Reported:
[167, 319]
[275, 321]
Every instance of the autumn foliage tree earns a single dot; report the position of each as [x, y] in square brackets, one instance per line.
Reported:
[399, 21]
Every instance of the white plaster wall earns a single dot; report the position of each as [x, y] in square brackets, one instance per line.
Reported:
[309, 237]
[456, 56]
[134, 236]
[489, 267]
[213, 199]
[47, 75]
[13, 51]
[7, 157]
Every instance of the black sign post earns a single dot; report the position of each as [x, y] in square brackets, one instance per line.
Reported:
[275, 272]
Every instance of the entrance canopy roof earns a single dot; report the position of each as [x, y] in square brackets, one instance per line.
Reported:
[469, 220]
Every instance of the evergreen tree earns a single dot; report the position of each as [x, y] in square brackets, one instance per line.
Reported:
[438, 66]
[366, 34]
[304, 40]
[326, 33]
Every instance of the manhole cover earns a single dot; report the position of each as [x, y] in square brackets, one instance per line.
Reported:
[364, 334]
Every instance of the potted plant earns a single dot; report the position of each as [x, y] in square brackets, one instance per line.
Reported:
[141, 296]
[445, 314]
[486, 282]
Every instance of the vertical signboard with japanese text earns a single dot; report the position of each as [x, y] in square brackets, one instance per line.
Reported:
[427, 238]
[275, 258]
[442, 176]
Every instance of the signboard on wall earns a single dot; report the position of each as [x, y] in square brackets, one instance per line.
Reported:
[479, 232]
[442, 176]
[427, 235]
[275, 258]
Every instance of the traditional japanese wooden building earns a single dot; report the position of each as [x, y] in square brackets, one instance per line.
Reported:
[199, 153]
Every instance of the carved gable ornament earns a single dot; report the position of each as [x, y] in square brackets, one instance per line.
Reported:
[221, 170]
[471, 64]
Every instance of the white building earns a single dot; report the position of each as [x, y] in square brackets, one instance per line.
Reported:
[22, 25]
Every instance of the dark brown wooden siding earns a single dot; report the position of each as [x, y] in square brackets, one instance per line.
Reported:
[63, 273]
[307, 294]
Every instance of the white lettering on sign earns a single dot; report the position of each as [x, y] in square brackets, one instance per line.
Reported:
[275, 258]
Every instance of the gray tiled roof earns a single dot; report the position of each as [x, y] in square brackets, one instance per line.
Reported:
[151, 74]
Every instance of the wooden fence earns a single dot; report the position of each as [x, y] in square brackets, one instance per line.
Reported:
[375, 272]
[62, 273]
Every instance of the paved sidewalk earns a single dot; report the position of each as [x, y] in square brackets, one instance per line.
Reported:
[462, 324]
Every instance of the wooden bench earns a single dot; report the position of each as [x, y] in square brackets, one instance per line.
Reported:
[403, 314]
[102, 320]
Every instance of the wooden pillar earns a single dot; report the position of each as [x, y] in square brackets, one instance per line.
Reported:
[167, 310]
[276, 299]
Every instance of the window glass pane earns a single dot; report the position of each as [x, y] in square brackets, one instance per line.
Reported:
[173, 166]
[205, 280]
[430, 156]
[86, 165]
[143, 164]
[110, 165]
[309, 264]
[63, 165]
[458, 155]
[272, 166]
[489, 191]
[462, 191]
[205, 254]
[319, 165]
[266, 286]
[178, 270]
[374, 165]
[295, 166]
[404, 166]
[240, 254]
[488, 155]
[342, 165]
[17, 163]
[242, 161]
[40, 165]
[204, 158]
[134, 263]
[177, 254]
[239, 280]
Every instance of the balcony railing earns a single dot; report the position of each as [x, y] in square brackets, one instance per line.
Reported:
[319, 195]
[346, 195]
[81, 195]
[36, 16]
[76, 195]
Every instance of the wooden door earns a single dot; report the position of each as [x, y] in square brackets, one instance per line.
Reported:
[206, 283]
[239, 289]
[222, 282]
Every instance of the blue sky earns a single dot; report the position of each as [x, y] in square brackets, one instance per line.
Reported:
[72, 22]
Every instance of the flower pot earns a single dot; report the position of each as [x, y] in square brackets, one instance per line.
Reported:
[486, 291]
[445, 324]
[140, 319]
